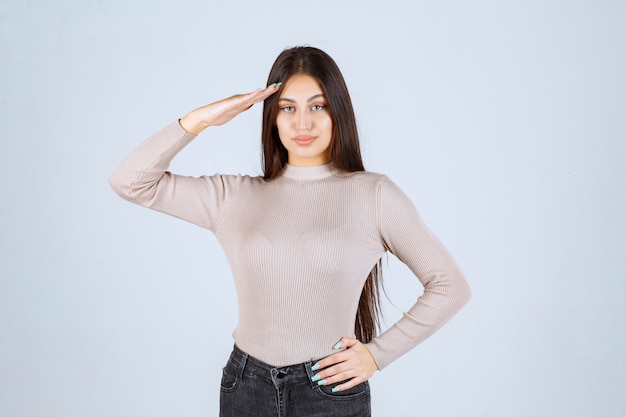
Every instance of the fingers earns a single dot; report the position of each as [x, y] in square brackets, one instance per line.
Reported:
[246, 101]
[353, 365]
[269, 90]
[346, 342]
[262, 94]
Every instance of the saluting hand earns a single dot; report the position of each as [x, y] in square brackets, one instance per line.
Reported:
[354, 365]
[222, 111]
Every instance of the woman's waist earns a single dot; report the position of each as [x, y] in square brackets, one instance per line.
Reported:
[283, 346]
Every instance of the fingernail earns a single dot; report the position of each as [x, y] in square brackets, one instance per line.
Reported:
[315, 378]
[335, 389]
[337, 345]
[322, 382]
[258, 89]
[315, 367]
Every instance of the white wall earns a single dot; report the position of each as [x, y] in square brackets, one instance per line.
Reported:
[504, 122]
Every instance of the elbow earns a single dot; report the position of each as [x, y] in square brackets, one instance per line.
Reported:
[121, 185]
[116, 183]
[132, 186]
[459, 283]
[457, 291]
[458, 294]
[462, 291]
[466, 292]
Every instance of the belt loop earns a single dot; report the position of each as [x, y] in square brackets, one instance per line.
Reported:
[242, 364]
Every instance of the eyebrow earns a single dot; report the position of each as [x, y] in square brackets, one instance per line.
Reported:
[289, 100]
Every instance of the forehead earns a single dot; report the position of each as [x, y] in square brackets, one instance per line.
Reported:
[300, 86]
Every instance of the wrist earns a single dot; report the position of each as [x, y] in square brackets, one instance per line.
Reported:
[192, 124]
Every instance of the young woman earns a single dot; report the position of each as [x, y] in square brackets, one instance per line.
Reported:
[304, 243]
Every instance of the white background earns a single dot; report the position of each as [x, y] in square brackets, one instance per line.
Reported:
[503, 121]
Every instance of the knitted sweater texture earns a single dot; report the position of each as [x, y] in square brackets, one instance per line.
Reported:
[300, 248]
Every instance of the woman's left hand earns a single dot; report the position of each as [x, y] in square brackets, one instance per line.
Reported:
[354, 364]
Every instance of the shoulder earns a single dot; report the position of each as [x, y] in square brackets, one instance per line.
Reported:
[384, 187]
[364, 177]
[388, 193]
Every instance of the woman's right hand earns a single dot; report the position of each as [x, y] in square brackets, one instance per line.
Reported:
[222, 111]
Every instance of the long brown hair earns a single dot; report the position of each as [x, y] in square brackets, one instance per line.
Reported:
[345, 151]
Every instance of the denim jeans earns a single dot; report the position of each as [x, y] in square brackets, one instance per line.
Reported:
[252, 388]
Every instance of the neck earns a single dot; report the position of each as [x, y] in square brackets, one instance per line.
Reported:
[314, 172]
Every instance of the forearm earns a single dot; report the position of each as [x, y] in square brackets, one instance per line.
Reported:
[137, 178]
[439, 303]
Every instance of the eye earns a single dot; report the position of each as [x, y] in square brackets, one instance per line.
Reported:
[318, 107]
[288, 109]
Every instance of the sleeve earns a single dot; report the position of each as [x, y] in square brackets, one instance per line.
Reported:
[142, 178]
[406, 236]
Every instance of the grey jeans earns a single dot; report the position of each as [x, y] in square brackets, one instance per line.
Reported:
[253, 388]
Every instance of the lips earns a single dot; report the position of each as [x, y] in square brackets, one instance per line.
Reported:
[304, 140]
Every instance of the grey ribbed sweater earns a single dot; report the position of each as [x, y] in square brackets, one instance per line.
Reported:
[300, 248]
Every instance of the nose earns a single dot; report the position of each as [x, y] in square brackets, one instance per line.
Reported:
[304, 121]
